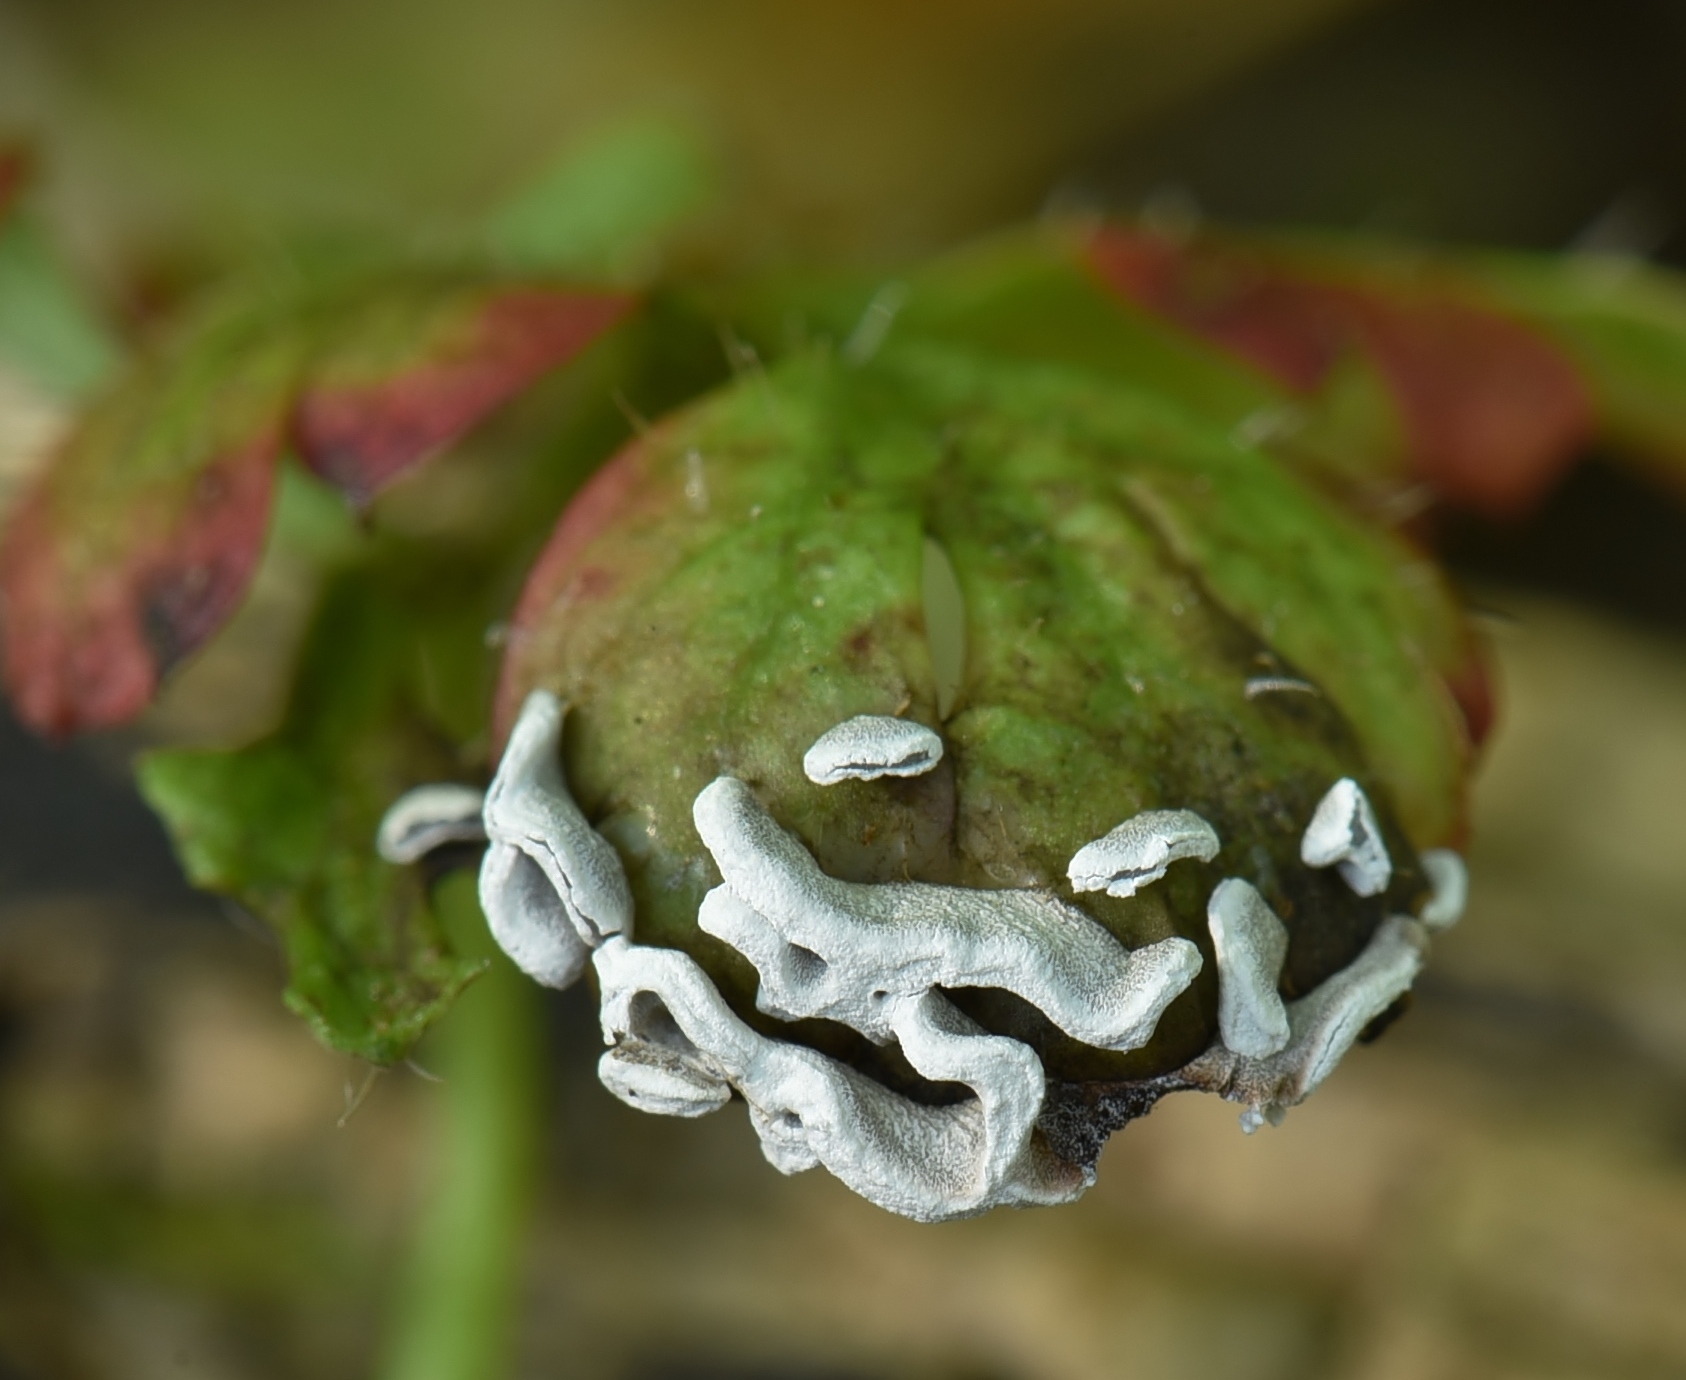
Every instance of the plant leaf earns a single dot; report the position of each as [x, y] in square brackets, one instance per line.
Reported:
[1490, 408]
[14, 172]
[605, 206]
[1624, 324]
[414, 366]
[140, 540]
[286, 826]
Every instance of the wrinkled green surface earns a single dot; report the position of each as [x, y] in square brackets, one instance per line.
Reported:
[1125, 568]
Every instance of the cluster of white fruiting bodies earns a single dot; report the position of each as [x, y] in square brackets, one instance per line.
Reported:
[878, 957]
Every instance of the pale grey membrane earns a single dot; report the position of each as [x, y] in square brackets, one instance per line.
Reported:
[878, 958]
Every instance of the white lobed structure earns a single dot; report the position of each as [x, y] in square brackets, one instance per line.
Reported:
[874, 942]
[430, 817]
[1250, 944]
[1448, 881]
[928, 1163]
[869, 746]
[878, 957]
[1322, 1026]
[1140, 851]
[1343, 834]
[552, 887]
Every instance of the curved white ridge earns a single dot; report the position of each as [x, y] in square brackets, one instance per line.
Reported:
[652, 1076]
[1140, 850]
[1343, 832]
[527, 919]
[1250, 943]
[429, 817]
[1278, 685]
[898, 939]
[928, 1163]
[1323, 1025]
[869, 746]
[1448, 879]
[874, 956]
[552, 887]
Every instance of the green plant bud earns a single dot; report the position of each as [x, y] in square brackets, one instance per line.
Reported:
[1061, 606]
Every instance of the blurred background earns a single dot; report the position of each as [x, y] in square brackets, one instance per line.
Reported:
[1498, 1188]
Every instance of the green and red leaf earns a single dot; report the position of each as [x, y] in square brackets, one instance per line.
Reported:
[1492, 409]
[286, 826]
[421, 373]
[141, 537]
[140, 540]
[14, 172]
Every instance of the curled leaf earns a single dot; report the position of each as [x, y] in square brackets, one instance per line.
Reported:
[1623, 322]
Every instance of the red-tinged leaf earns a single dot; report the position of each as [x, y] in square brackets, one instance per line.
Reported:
[1287, 329]
[14, 172]
[561, 578]
[420, 374]
[1493, 411]
[96, 612]
[140, 540]
[1471, 688]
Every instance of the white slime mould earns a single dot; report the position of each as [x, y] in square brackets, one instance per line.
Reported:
[551, 887]
[1250, 943]
[1343, 832]
[1140, 850]
[1322, 1026]
[875, 957]
[430, 817]
[899, 938]
[869, 746]
[1449, 880]
[928, 1163]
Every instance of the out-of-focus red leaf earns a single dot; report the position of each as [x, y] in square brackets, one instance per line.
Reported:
[1286, 328]
[1493, 411]
[558, 579]
[360, 427]
[94, 617]
[1471, 687]
[140, 539]
[14, 172]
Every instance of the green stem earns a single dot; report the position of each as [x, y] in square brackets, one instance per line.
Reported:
[456, 1308]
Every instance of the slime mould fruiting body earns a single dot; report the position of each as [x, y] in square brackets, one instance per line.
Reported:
[920, 749]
